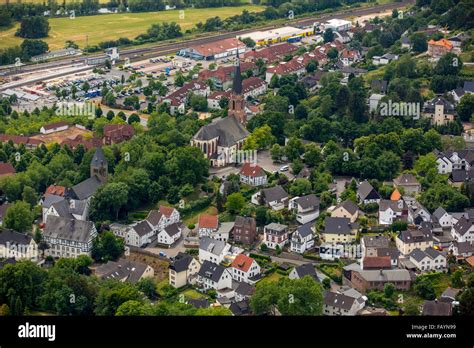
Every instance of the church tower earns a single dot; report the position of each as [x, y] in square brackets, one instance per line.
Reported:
[237, 101]
[99, 166]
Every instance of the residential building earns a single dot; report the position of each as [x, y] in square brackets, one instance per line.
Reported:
[408, 182]
[347, 209]
[125, 271]
[439, 111]
[442, 217]
[213, 276]
[140, 234]
[245, 230]
[177, 100]
[244, 291]
[222, 78]
[439, 48]
[253, 175]
[275, 197]
[391, 211]
[339, 230]
[304, 270]
[16, 245]
[336, 304]
[375, 262]
[428, 260]
[183, 270]
[271, 54]
[244, 269]
[367, 194]
[285, 68]
[6, 169]
[169, 235]
[212, 250]
[463, 230]
[385, 59]
[207, 224]
[366, 280]
[117, 133]
[302, 239]
[409, 240]
[68, 237]
[275, 235]
[306, 208]
[370, 244]
[393, 253]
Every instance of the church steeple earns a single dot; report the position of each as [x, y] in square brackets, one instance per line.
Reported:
[99, 165]
[237, 83]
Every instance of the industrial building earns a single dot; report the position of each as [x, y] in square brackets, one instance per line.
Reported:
[214, 50]
[268, 37]
[338, 24]
[56, 54]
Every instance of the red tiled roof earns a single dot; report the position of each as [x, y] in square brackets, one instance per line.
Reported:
[218, 47]
[55, 190]
[242, 262]
[166, 211]
[251, 169]
[286, 67]
[6, 169]
[252, 83]
[208, 221]
[19, 139]
[225, 73]
[272, 53]
[379, 262]
[55, 125]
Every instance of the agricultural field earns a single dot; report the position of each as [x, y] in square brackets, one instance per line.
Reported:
[113, 26]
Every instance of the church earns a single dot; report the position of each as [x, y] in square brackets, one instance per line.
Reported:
[223, 137]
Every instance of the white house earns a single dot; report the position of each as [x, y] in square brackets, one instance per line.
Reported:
[385, 59]
[306, 208]
[428, 260]
[213, 276]
[463, 231]
[169, 235]
[171, 214]
[244, 268]
[389, 211]
[140, 234]
[275, 234]
[302, 271]
[336, 304]
[253, 175]
[207, 225]
[212, 250]
[442, 217]
[54, 127]
[17, 245]
[302, 239]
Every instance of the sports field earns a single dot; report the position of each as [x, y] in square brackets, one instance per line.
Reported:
[113, 26]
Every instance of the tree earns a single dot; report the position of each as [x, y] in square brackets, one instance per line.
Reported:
[328, 35]
[107, 247]
[148, 287]
[248, 42]
[294, 148]
[235, 202]
[33, 27]
[388, 290]
[108, 201]
[424, 288]
[261, 216]
[219, 202]
[19, 217]
[300, 187]
[419, 42]
[260, 138]
[198, 102]
[311, 66]
[449, 64]
[112, 294]
[411, 308]
[132, 308]
[276, 152]
[133, 118]
[30, 48]
[465, 108]
[466, 302]
[456, 279]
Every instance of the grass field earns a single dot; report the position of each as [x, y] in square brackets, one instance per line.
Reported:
[113, 26]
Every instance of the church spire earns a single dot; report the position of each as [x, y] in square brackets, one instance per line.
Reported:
[237, 83]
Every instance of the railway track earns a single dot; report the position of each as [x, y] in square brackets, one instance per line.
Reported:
[135, 54]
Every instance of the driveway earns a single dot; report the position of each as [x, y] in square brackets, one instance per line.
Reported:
[175, 249]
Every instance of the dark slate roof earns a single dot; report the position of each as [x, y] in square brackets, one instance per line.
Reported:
[142, 228]
[308, 201]
[62, 208]
[199, 302]
[465, 247]
[9, 261]
[181, 262]
[337, 300]
[305, 230]
[418, 255]
[429, 106]
[376, 241]
[240, 308]
[379, 85]
[415, 236]
[86, 188]
[450, 294]
[14, 238]
[350, 206]
[337, 225]
[227, 129]
[212, 245]
[49, 200]
[131, 271]
[406, 179]
[392, 252]
[435, 308]
[98, 158]
[154, 217]
[306, 269]
[367, 191]
[461, 175]
[276, 193]
[385, 204]
[463, 226]
[69, 229]
[172, 229]
[244, 289]
[211, 271]
[244, 221]
[438, 213]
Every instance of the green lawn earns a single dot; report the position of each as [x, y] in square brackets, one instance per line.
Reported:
[274, 277]
[113, 26]
[192, 294]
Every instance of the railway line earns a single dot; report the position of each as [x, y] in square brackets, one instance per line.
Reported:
[135, 54]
